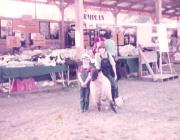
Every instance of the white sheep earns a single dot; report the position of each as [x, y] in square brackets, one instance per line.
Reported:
[100, 89]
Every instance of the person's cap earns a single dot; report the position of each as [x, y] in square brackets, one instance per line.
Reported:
[85, 56]
[99, 39]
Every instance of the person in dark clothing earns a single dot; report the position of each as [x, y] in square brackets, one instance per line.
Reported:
[105, 62]
[22, 40]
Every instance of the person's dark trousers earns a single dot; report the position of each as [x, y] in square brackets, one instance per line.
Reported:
[84, 98]
[114, 87]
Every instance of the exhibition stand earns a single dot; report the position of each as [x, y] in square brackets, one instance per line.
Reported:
[154, 57]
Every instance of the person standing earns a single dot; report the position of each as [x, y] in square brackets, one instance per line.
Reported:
[84, 79]
[173, 43]
[105, 62]
[22, 40]
[110, 44]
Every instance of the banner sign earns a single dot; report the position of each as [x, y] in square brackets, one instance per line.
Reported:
[39, 40]
[25, 26]
[12, 41]
[163, 38]
[93, 17]
[144, 35]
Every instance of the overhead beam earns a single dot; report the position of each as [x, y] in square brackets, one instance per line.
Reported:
[173, 3]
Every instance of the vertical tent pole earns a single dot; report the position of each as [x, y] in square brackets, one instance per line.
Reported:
[158, 12]
[61, 35]
[115, 14]
[170, 66]
[79, 12]
[160, 62]
[158, 5]
[35, 10]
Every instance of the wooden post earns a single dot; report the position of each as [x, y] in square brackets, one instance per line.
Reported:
[35, 10]
[158, 10]
[115, 21]
[158, 15]
[79, 10]
[142, 56]
[62, 33]
[178, 34]
[115, 18]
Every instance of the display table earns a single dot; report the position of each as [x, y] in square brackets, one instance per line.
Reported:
[12, 73]
[25, 72]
